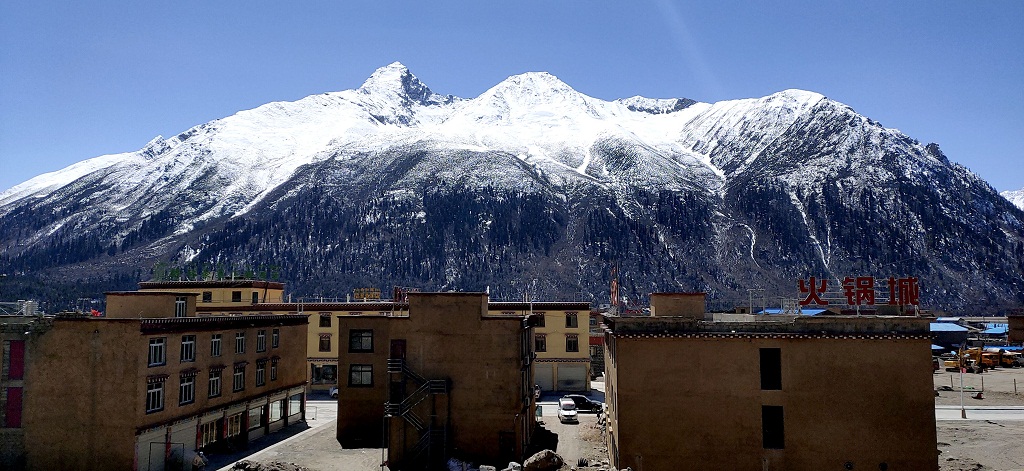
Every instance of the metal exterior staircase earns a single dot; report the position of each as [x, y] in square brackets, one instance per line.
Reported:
[431, 449]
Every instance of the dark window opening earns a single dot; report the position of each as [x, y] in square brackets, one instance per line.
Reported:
[771, 369]
[360, 341]
[772, 430]
[236, 296]
[540, 343]
[255, 297]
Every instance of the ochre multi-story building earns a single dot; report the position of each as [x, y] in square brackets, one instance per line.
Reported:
[767, 393]
[561, 341]
[444, 377]
[256, 297]
[144, 386]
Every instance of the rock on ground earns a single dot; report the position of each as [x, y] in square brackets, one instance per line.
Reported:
[545, 460]
[246, 465]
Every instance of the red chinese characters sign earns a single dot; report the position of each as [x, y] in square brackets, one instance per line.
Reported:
[860, 291]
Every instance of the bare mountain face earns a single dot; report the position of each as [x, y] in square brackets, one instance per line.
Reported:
[531, 186]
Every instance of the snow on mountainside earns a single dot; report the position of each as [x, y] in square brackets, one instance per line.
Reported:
[529, 177]
[1016, 197]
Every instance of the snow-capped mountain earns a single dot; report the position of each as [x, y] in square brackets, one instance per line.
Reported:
[394, 184]
[1015, 196]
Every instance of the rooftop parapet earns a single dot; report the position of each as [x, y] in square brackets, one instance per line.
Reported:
[796, 325]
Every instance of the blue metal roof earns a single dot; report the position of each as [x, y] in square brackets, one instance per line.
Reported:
[946, 327]
[803, 312]
[995, 326]
[995, 330]
[937, 347]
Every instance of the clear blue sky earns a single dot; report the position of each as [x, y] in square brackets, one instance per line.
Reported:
[82, 79]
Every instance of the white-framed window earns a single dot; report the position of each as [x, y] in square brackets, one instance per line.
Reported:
[180, 306]
[215, 383]
[240, 342]
[276, 410]
[325, 342]
[238, 378]
[215, 345]
[207, 433]
[155, 396]
[273, 369]
[188, 348]
[187, 390]
[275, 338]
[540, 343]
[261, 341]
[158, 351]
[234, 426]
[261, 373]
[325, 319]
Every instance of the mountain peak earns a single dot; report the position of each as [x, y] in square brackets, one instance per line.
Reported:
[536, 81]
[396, 79]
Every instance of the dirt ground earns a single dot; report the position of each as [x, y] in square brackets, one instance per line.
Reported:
[580, 441]
[981, 444]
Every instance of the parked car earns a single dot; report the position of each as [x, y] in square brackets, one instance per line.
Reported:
[334, 392]
[583, 403]
[567, 410]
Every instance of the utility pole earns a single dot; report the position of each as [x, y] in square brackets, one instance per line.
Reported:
[750, 299]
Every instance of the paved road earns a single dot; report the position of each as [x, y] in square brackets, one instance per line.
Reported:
[980, 413]
[320, 412]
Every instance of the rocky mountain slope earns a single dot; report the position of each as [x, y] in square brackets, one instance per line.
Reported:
[531, 186]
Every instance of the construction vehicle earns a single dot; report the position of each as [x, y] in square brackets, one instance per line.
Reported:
[1006, 359]
[982, 358]
[956, 363]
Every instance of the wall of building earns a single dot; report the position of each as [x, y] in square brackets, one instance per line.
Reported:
[103, 365]
[134, 305]
[16, 350]
[82, 400]
[1015, 328]
[864, 401]
[221, 292]
[447, 336]
[556, 368]
[689, 305]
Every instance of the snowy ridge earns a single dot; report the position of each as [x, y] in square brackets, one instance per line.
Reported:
[562, 135]
[1015, 196]
[530, 176]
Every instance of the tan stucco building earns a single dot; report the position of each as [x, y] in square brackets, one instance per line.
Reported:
[444, 378]
[148, 383]
[257, 297]
[561, 342]
[759, 393]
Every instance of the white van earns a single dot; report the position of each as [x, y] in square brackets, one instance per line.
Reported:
[567, 410]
